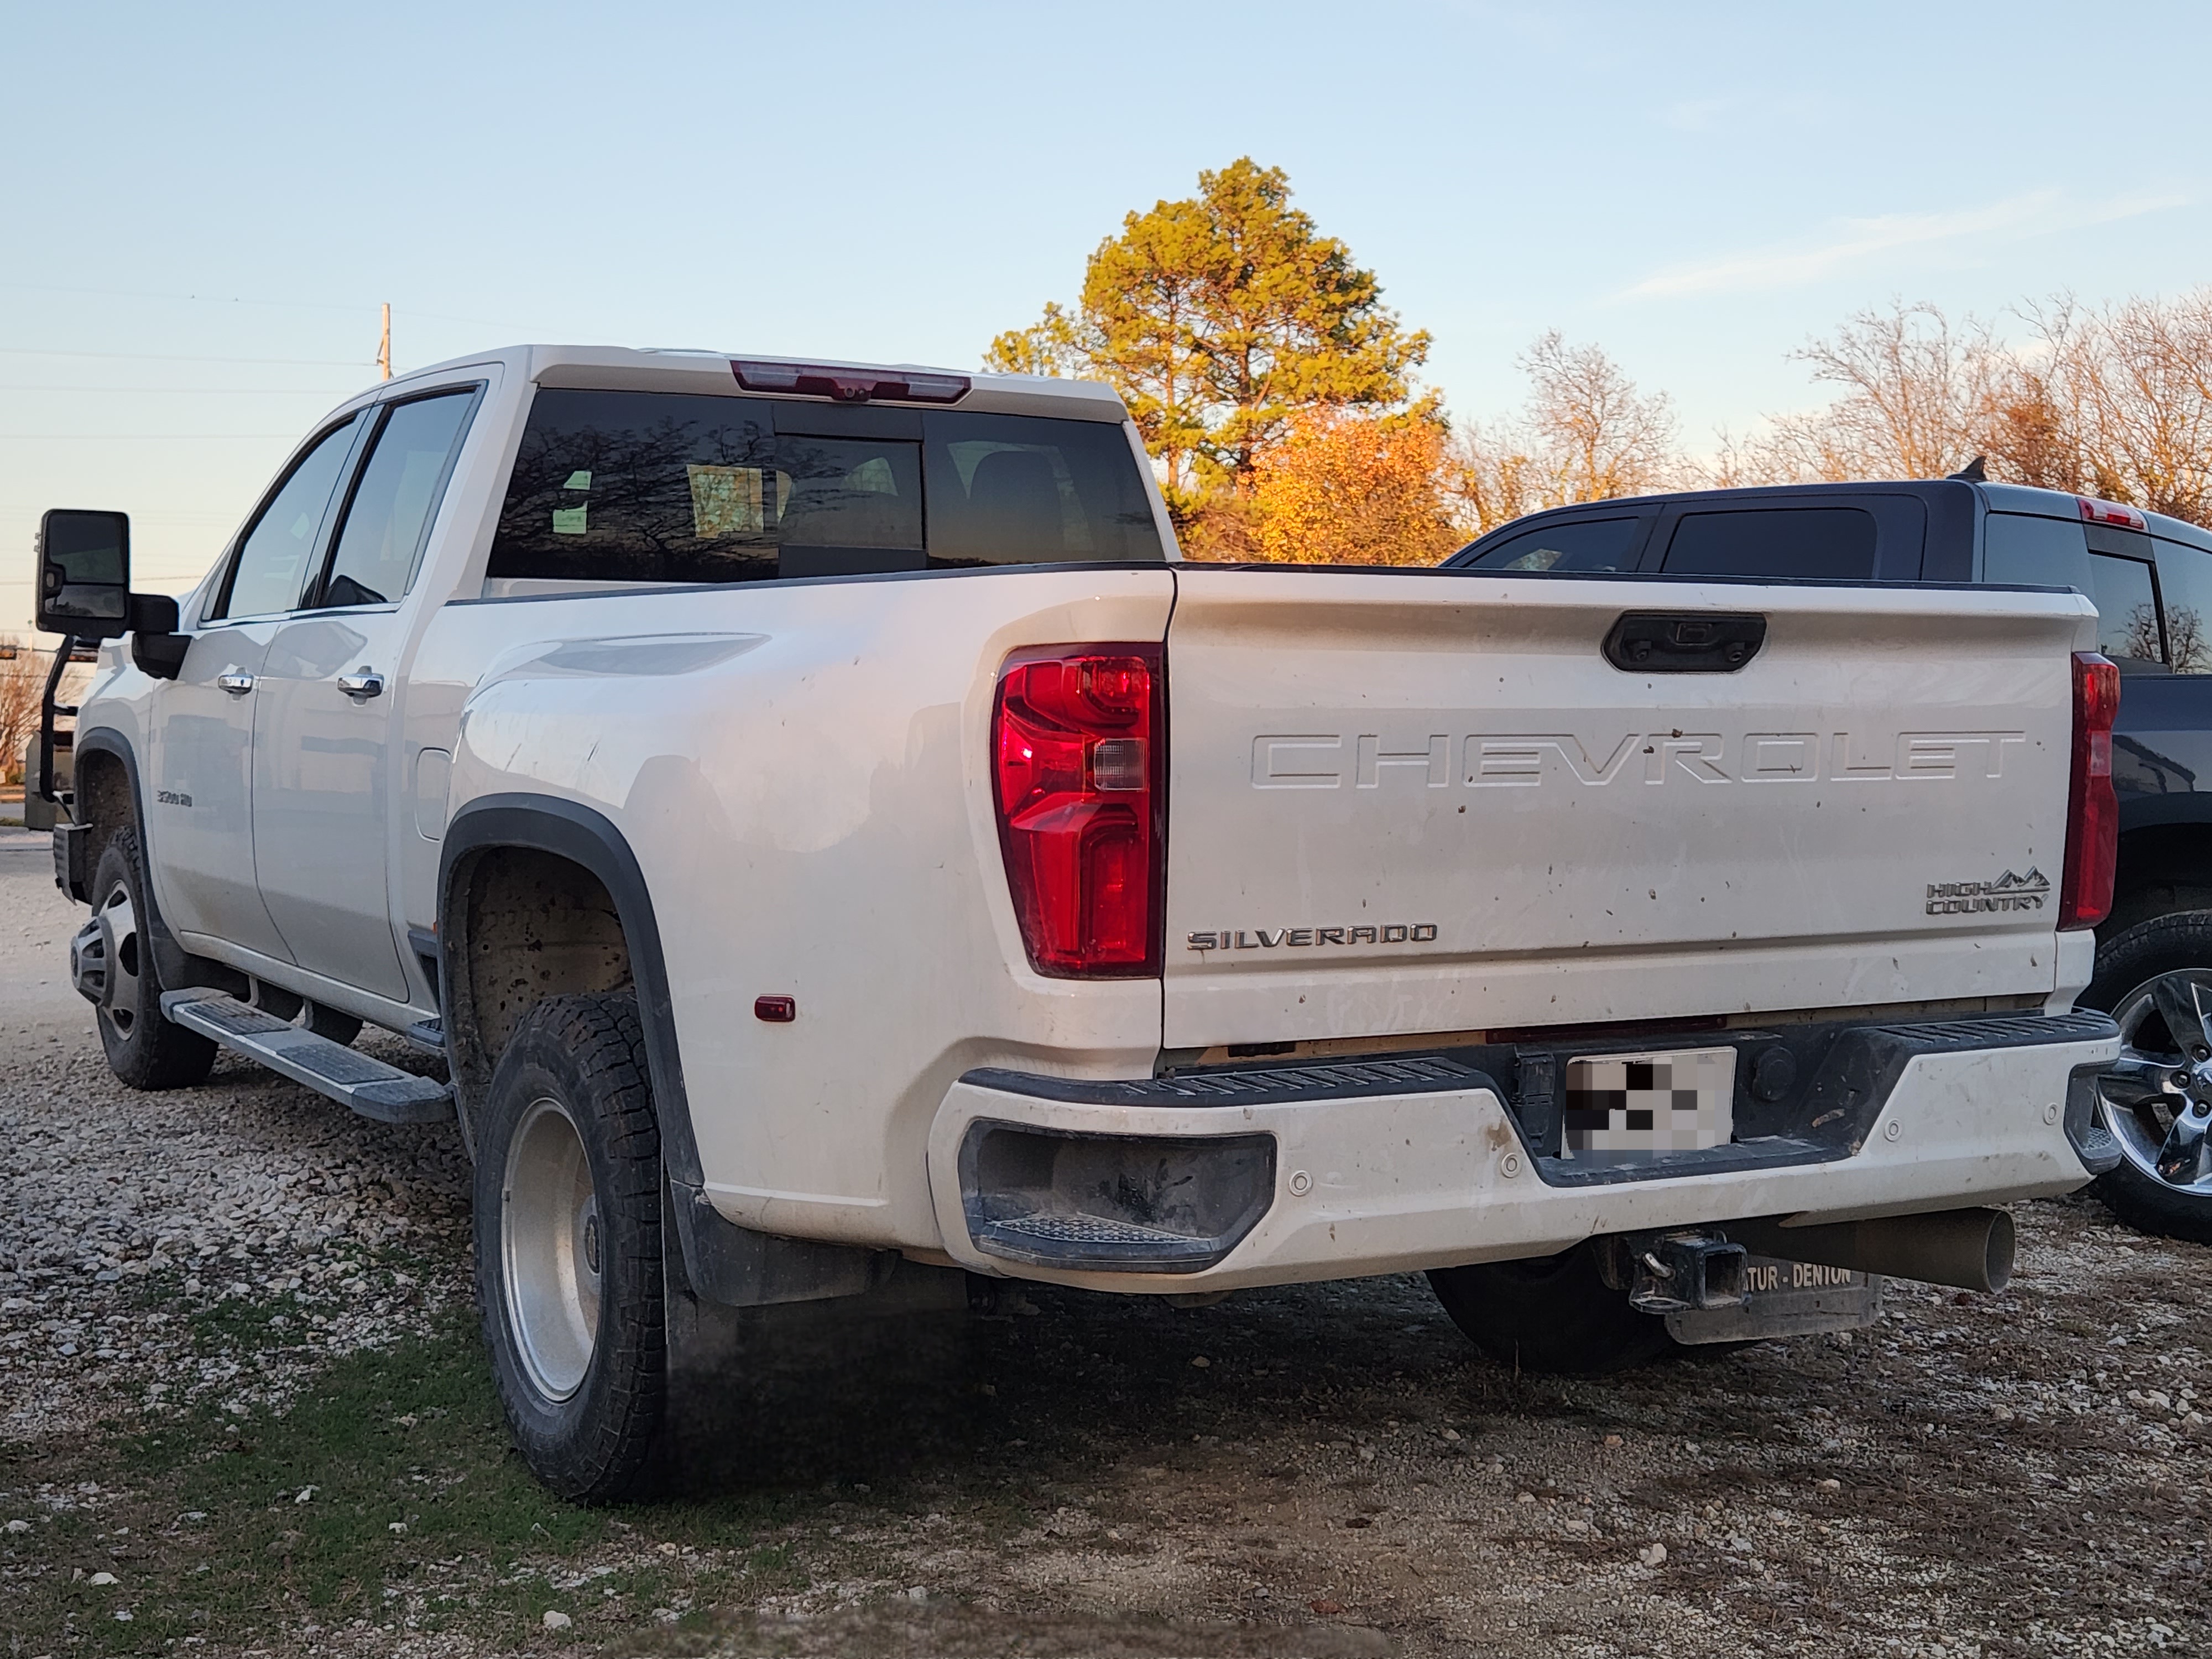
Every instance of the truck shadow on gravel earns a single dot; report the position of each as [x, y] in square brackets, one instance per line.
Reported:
[1040, 1378]
[1326, 1469]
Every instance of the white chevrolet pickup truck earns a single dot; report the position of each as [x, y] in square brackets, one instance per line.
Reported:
[822, 823]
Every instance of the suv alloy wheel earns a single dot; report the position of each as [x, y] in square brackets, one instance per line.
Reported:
[2155, 980]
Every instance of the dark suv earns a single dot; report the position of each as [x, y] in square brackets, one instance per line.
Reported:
[2150, 577]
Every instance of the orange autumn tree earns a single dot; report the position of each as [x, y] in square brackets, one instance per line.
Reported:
[1349, 488]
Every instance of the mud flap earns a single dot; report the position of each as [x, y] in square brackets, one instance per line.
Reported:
[73, 851]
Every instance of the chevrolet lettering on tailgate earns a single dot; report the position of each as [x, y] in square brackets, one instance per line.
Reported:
[1525, 760]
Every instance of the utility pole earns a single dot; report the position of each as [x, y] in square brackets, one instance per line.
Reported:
[384, 349]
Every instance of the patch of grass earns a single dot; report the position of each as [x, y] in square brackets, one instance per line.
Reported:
[415, 1509]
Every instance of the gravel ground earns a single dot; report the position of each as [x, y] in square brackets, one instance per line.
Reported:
[241, 1410]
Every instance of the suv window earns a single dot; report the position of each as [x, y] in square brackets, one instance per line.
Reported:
[1835, 543]
[380, 542]
[2020, 550]
[1568, 545]
[271, 570]
[653, 487]
[2127, 611]
[2185, 584]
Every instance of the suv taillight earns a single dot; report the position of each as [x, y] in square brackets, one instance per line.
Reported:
[1079, 767]
[2092, 811]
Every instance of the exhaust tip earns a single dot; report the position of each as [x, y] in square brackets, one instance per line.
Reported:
[1997, 1249]
[1971, 1249]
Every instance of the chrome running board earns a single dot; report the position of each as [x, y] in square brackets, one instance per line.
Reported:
[355, 1080]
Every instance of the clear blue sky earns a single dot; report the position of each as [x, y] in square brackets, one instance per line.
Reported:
[1698, 188]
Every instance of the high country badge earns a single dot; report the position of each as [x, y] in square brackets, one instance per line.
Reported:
[2007, 892]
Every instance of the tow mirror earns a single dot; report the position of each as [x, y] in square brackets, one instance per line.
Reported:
[84, 573]
[84, 590]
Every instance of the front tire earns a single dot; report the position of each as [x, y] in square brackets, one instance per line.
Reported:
[569, 1242]
[2155, 980]
[1553, 1315]
[112, 960]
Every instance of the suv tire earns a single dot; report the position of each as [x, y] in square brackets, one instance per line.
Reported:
[145, 1050]
[1553, 1314]
[2177, 949]
[568, 1245]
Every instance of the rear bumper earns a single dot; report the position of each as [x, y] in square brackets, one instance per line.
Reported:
[1396, 1166]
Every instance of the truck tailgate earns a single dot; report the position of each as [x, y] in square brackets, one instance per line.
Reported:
[1414, 802]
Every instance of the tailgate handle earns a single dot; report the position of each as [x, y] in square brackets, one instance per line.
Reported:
[1672, 642]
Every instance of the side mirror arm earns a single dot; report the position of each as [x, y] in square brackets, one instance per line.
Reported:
[48, 708]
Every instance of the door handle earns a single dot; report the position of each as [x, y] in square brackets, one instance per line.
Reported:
[361, 686]
[236, 684]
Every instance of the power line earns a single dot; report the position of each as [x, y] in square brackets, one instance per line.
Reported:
[202, 391]
[132, 437]
[151, 294]
[166, 357]
[226, 300]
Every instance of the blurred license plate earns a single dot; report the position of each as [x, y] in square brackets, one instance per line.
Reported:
[1620, 1107]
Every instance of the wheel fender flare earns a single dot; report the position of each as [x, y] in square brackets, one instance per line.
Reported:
[570, 830]
[721, 1261]
[174, 966]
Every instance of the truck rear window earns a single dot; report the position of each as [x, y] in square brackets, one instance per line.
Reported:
[637, 486]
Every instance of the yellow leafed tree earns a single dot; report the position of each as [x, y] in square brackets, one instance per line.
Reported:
[1345, 489]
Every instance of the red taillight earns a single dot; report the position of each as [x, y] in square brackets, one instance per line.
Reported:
[1076, 742]
[2112, 513]
[2092, 811]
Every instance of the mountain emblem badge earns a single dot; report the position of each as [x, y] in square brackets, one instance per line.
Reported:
[2007, 892]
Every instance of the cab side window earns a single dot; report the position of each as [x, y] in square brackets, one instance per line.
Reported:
[381, 543]
[2021, 551]
[273, 566]
[1567, 545]
[1831, 543]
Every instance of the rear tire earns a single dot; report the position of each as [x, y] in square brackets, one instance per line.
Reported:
[2128, 963]
[1553, 1315]
[568, 1245]
[144, 1049]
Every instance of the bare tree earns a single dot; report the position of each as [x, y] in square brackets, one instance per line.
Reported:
[2131, 386]
[1586, 434]
[1489, 477]
[22, 685]
[2031, 436]
[2114, 402]
[1918, 401]
[1597, 436]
